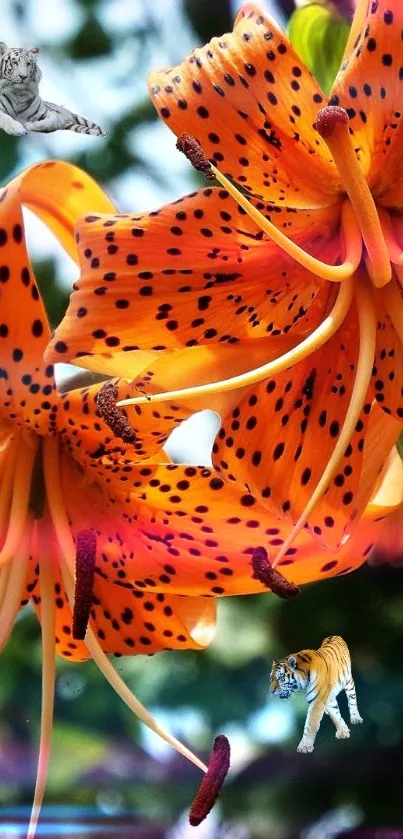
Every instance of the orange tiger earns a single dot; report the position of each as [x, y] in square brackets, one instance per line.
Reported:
[322, 673]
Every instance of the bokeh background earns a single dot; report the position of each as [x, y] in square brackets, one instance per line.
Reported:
[109, 776]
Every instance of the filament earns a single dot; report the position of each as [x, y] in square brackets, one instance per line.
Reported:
[333, 125]
[7, 487]
[309, 345]
[12, 581]
[20, 498]
[68, 550]
[394, 249]
[367, 338]
[48, 681]
[350, 228]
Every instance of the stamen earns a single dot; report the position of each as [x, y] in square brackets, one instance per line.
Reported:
[86, 551]
[269, 577]
[37, 493]
[351, 230]
[309, 345]
[48, 683]
[192, 149]
[20, 500]
[394, 250]
[366, 354]
[68, 551]
[114, 418]
[212, 782]
[12, 582]
[6, 491]
[332, 124]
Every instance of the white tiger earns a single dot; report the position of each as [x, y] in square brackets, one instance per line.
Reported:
[21, 107]
[322, 673]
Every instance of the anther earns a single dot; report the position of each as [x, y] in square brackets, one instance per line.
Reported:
[212, 782]
[114, 417]
[328, 118]
[86, 550]
[192, 149]
[270, 577]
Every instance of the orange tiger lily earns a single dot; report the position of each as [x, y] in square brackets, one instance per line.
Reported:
[303, 267]
[120, 551]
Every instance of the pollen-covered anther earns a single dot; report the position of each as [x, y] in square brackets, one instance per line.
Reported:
[329, 118]
[192, 149]
[212, 782]
[86, 551]
[270, 577]
[114, 417]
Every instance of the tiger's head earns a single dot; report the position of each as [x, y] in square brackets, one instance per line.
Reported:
[288, 676]
[18, 67]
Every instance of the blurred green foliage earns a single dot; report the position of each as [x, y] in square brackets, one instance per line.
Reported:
[319, 36]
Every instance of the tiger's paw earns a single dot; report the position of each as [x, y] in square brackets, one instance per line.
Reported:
[305, 748]
[355, 719]
[343, 733]
[16, 131]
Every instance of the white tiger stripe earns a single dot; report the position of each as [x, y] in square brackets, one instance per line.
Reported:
[21, 107]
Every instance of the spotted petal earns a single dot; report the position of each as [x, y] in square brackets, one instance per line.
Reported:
[280, 460]
[177, 530]
[196, 272]
[252, 104]
[370, 87]
[129, 622]
[27, 387]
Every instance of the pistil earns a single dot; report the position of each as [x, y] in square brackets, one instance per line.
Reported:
[332, 124]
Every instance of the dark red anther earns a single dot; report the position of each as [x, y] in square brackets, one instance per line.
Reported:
[192, 149]
[270, 577]
[114, 417]
[212, 782]
[86, 551]
[329, 118]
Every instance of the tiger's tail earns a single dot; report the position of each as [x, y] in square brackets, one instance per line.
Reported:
[84, 126]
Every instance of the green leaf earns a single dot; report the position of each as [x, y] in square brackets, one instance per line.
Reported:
[319, 37]
[399, 445]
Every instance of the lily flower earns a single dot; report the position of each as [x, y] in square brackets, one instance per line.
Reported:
[302, 240]
[74, 499]
[120, 551]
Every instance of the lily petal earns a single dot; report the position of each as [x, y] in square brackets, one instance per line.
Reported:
[388, 362]
[130, 622]
[252, 104]
[27, 387]
[368, 86]
[310, 399]
[198, 271]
